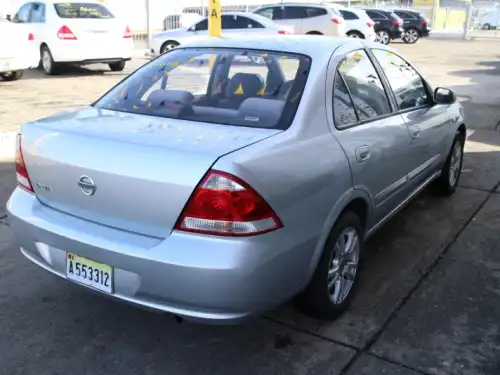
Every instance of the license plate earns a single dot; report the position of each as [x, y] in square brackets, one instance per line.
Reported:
[88, 272]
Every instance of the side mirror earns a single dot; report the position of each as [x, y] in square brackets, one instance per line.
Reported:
[444, 96]
[8, 17]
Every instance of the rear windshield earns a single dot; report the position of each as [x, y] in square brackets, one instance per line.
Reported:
[225, 86]
[82, 10]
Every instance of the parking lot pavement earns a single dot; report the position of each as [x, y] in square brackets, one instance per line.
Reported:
[427, 304]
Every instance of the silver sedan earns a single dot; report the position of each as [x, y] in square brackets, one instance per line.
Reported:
[231, 175]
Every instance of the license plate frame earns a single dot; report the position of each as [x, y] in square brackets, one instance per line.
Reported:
[88, 272]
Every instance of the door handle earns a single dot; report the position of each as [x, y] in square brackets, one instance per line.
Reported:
[415, 132]
[362, 154]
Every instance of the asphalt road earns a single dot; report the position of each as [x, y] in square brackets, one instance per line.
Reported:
[427, 303]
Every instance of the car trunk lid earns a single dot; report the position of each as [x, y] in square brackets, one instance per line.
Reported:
[143, 168]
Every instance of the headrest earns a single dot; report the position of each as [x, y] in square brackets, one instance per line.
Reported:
[245, 84]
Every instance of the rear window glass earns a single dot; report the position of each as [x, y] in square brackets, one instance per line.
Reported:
[82, 10]
[226, 86]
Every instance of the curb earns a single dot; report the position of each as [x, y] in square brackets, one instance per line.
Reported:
[8, 145]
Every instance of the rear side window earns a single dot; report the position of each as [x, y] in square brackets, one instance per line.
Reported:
[348, 15]
[343, 107]
[82, 10]
[364, 84]
[231, 22]
[405, 82]
[292, 13]
[38, 13]
[315, 12]
[239, 87]
[375, 15]
[405, 15]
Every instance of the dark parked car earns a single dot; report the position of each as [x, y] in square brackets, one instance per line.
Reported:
[388, 26]
[416, 25]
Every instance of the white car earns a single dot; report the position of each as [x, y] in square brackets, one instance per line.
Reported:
[76, 32]
[233, 23]
[312, 19]
[18, 50]
[358, 24]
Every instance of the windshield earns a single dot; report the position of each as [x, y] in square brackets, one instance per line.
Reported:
[225, 86]
[82, 10]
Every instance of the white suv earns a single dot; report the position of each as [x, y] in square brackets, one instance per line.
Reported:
[312, 19]
[358, 23]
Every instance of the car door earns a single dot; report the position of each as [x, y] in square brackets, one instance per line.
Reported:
[293, 18]
[375, 140]
[426, 121]
[409, 20]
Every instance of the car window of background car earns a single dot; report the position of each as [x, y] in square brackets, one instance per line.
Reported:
[363, 81]
[38, 13]
[202, 25]
[405, 82]
[376, 15]
[266, 12]
[295, 13]
[231, 22]
[315, 12]
[348, 15]
[82, 10]
[343, 108]
[405, 15]
[23, 14]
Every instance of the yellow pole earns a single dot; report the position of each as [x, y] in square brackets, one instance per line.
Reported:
[214, 20]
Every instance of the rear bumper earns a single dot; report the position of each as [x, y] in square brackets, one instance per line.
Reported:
[69, 51]
[200, 278]
[28, 60]
[397, 33]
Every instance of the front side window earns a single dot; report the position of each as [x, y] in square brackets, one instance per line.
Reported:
[224, 86]
[202, 25]
[364, 84]
[82, 10]
[405, 82]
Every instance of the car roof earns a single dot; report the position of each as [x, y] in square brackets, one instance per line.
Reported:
[379, 10]
[319, 49]
[411, 11]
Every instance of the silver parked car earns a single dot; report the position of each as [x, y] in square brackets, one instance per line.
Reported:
[215, 188]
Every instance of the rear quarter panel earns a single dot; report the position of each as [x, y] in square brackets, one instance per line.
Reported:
[304, 175]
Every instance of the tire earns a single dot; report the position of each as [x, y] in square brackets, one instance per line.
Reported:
[486, 26]
[322, 298]
[383, 37]
[314, 33]
[447, 183]
[411, 36]
[168, 45]
[12, 76]
[117, 66]
[355, 34]
[47, 62]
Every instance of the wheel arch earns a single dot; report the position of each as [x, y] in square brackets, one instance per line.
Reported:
[314, 32]
[354, 200]
[168, 41]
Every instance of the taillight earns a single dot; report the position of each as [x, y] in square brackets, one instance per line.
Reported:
[338, 20]
[397, 22]
[224, 205]
[23, 180]
[283, 32]
[65, 33]
[128, 33]
[425, 22]
[31, 36]
[370, 24]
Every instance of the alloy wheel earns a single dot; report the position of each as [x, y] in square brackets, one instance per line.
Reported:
[46, 61]
[383, 37]
[411, 36]
[343, 265]
[455, 163]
